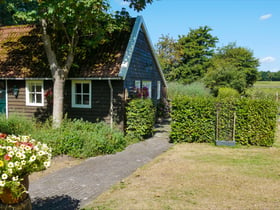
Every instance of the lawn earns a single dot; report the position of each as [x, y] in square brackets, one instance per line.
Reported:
[201, 176]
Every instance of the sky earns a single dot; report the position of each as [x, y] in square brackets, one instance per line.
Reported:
[253, 24]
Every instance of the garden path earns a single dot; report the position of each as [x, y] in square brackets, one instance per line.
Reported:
[73, 187]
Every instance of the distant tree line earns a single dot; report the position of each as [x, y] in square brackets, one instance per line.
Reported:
[269, 76]
[195, 57]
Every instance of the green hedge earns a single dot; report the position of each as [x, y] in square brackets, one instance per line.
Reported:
[256, 122]
[140, 114]
[194, 120]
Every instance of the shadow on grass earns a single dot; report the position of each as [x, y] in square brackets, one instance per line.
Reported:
[63, 202]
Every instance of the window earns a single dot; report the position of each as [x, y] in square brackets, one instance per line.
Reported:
[81, 94]
[148, 85]
[158, 89]
[137, 84]
[34, 93]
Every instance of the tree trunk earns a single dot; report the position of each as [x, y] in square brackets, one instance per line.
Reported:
[59, 75]
[58, 98]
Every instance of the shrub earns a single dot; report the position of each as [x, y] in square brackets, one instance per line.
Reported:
[256, 122]
[140, 121]
[225, 92]
[79, 138]
[16, 124]
[193, 119]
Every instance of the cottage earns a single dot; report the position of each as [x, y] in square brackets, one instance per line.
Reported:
[95, 90]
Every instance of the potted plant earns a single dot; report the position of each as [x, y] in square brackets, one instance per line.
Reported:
[19, 157]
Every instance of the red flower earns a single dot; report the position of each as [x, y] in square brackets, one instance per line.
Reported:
[7, 157]
[3, 135]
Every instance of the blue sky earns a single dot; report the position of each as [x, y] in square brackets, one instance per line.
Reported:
[254, 24]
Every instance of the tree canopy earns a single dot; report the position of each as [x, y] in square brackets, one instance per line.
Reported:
[189, 56]
[234, 67]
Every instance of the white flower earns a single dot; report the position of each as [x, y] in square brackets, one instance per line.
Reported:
[40, 153]
[32, 158]
[9, 148]
[47, 164]
[22, 156]
[2, 183]
[4, 176]
[10, 170]
[11, 153]
[15, 178]
[11, 165]
[17, 163]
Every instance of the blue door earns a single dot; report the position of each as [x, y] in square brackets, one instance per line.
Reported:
[2, 97]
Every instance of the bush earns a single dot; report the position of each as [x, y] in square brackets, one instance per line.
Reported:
[140, 121]
[256, 122]
[194, 120]
[226, 92]
[16, 124]
[82, 139]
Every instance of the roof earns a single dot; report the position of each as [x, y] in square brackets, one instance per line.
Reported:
[22, 54]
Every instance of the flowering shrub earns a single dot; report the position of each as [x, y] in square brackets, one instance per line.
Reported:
[19, 157]
[139, 92]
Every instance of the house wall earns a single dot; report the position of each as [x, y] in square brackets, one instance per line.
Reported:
[143, 66]
[100, 110]
[17, 105]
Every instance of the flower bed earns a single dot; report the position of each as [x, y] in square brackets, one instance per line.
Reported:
[19, 157]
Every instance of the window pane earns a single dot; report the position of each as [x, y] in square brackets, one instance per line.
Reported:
[39, 98]
[78, 88]
[86, 100]
[38, 88]
[32, 88]
[31, 98]
[86, 88]
[78, 99]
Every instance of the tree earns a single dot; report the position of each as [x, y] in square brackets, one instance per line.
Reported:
[195, 51]
[167, 54]
[234, 67]
[16, 12]
[64, 24]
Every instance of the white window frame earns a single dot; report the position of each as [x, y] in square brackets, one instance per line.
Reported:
[148, 84]
[158, 90]
[73, 94]
[28, 87]
[138, 84]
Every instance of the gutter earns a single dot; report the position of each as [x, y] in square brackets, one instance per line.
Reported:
[111, 103]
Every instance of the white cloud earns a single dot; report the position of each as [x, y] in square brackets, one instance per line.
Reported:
[265, 17]
[268, 59]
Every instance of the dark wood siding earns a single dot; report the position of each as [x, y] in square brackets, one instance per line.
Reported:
[100, 110]
[143, 66]
[17, 105]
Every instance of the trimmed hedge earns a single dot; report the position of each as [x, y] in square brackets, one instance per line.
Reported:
[140, 114]
[194, 120]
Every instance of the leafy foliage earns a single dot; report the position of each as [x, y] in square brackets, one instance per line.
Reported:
[78, 138]
[140, 118]
[16, 124]
[187, 59]
[194, 119]
[233, 67]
